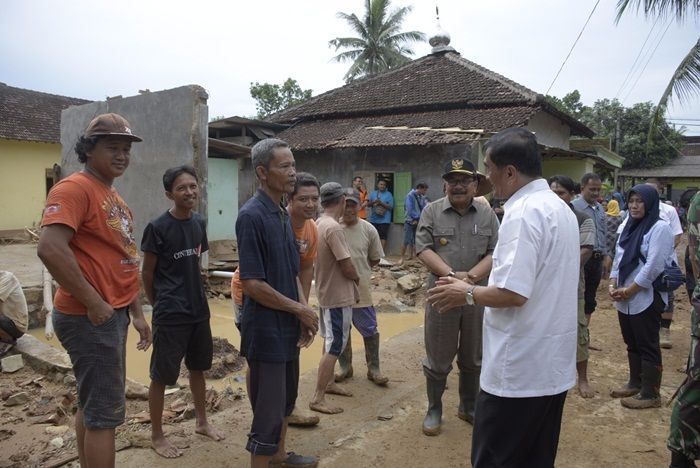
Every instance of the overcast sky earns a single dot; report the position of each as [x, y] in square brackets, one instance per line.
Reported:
[94, 49]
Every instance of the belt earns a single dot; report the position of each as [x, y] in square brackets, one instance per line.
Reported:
[597, 254]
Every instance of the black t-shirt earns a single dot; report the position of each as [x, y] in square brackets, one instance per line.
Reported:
[177, 284]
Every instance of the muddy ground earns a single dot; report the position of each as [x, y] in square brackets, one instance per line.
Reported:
[381, 427]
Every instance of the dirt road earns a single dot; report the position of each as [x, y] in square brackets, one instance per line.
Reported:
[381, 427]
[595, 433]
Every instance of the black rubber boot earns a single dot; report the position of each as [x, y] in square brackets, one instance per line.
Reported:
[678, 460]
[648, 396]
[345, 362]
[433, 419]
[468, 390]
[372, 357]
[634, 384]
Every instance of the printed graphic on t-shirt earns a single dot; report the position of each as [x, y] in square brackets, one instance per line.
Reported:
[119, 220]
[188, 252]
[302, 246]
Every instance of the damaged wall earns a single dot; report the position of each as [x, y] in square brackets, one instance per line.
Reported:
[173, 125]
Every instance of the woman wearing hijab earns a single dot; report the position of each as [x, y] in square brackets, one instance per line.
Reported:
[643, 248]
[613, 220]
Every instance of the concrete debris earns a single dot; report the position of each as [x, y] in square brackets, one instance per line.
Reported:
[56, 430]
[398, 273]
[12, 363]
[410, 283]
[69, 379]
[135, 390]
[17, 399]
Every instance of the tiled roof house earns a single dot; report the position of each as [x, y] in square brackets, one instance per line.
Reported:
[30, 148]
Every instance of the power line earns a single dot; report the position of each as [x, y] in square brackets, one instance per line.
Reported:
[641, 49]
[572, 47]
[649, 60]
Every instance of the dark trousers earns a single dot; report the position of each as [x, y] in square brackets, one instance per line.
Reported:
[593, 272]
[641, 331]
[689, 276]
[516, 432]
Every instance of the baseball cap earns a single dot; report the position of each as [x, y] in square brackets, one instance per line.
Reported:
[330, 191]
[110, 125]
[352, 195]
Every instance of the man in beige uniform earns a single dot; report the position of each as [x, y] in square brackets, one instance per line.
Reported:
[456, 236]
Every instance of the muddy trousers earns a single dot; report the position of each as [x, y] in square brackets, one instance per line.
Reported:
[516, 432]
[683, 437]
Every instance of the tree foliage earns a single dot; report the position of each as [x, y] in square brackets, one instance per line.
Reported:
[271, 98]
[379, 44]
[635, 121]
[685, 81]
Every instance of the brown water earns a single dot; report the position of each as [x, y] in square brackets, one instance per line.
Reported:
[137, 362]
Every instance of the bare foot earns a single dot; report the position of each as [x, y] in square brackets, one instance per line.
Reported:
[335, 389]
[164, 448]
[210, 431]
[323, 407]
[585, 390]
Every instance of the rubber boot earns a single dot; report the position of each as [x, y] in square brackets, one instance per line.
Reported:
[468, 389]
[648, 396]
[372, 357]
[635, 381]
[433, 419]
[345, 362]
[679, 460]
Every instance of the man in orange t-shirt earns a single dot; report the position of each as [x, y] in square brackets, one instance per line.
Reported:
[302, 209]
[359, 184]
[87, 245]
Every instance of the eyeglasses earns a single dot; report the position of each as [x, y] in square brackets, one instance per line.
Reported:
[460, 181]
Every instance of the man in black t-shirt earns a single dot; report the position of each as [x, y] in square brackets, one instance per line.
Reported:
[172, 246]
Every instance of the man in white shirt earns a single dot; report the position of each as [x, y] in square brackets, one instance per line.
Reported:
[529, 336]
[669, 214]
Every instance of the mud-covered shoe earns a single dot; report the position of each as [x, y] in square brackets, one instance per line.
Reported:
[295, 460]
[639, 402]
[624, 392]
[665, 338]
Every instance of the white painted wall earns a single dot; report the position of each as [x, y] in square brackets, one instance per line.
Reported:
[549, 130]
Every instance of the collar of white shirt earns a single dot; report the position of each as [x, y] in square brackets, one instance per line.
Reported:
[535, 186]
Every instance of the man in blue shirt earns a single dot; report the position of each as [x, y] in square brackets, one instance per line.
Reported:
[414, 203]
[382, 203]
[276, 320]
[598, 266]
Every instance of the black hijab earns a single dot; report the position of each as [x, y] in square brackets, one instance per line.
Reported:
[635, 229]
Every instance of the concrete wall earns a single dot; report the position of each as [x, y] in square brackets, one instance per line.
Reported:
[173, 125]
[549, 130]
[23, 181]
[574, 168]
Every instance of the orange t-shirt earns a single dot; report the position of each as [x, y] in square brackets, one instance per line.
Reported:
[307, 241]
[362, 212]
[103, 244]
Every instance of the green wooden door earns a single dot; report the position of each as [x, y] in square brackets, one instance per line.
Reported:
[402, 185]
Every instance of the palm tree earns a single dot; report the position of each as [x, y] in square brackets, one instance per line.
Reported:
[685, 82]
[380, 44]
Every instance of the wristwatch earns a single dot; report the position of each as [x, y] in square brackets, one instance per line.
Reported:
[470, 295]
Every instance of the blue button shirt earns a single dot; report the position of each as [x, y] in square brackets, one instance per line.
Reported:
[267, 251]
[596, 212]
[657, 248]
[387, 198]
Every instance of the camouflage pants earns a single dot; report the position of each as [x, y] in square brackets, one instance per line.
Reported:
[685, 417]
